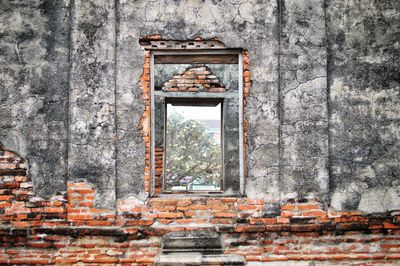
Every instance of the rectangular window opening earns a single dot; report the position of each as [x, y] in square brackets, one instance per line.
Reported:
[196, 123]
[194, 147]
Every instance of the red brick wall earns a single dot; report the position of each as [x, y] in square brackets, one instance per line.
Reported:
[68, 229]
[195, 79]
[145, 121]
[246, 91]
[159, 169]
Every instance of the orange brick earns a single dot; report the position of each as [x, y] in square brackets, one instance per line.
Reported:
[39, 244]
[222, 221]
[29, 261]
[190, 213]
[77, 185]
[164, 208]
[269, 220]
[212, 202]
[85, 204]
[228, 200]
[19, 217]
[89, 197]
[287, 214]
[199, 207]
[99, 223]
[165, 221]
[25, 224]
[85, 191]
[54, 209]
[5, 204]
[282, 220]
[21, 178]
[75, 198]
[255, 201]
[309, 207]
[221, 207]
[288, 207]
[184, 221]
[144, 259]
[225, 215]
[247, 207]
[80, 216]
[170, 215]
[315, 213]
[142, 222]
[163, 202]
[104, 259]
[246, 60]
[387, 225]
[250, 228]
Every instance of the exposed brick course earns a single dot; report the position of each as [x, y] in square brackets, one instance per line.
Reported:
[68, 229]
[145, 120]
[194, 79]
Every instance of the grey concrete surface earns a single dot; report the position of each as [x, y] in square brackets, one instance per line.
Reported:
[323, 111]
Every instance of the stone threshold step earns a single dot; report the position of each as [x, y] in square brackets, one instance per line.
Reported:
[197, 258]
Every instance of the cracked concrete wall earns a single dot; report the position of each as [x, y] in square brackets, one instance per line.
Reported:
[364, 97]
[323, 111]
[34, 71]
[92, 138]
[304, 113]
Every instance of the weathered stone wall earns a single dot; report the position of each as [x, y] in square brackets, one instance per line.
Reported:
[303, 100]
[364, 102]
[92, 100]
[34, 87]
[323, 110]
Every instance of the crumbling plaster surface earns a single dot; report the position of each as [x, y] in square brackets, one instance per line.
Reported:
[364, 98]
[92, 138]
[304, 148]
[34, 77]
[323, 110]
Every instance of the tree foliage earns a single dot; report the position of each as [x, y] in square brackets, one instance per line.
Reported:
[192, 154]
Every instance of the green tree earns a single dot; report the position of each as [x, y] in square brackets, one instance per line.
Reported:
[191, 152]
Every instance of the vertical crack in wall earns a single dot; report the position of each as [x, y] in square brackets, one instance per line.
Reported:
[328, 107]
[116, 138]
[70, 47]
[70, 83]
[280, 147]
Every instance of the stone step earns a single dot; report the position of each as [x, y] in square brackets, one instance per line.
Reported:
[200, 247]
[197, 258]
[205, 241]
